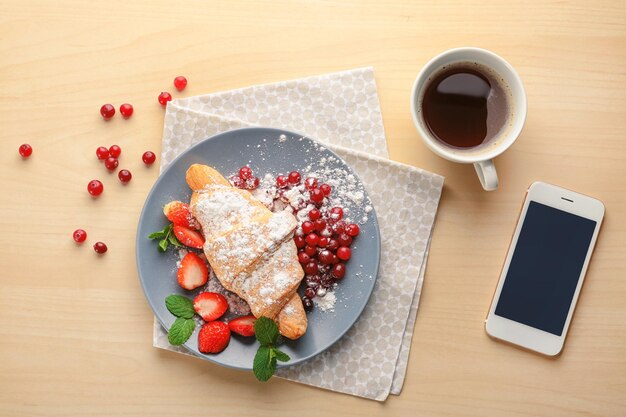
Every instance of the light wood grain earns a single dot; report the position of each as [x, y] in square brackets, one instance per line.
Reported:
[75, 330]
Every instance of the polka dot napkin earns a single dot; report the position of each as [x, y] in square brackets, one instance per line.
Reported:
[342, 110]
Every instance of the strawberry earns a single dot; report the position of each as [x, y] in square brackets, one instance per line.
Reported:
[179, 214]
[188, 237]
[213, 337]
[243, 325]
[210, 305]
[193, 272]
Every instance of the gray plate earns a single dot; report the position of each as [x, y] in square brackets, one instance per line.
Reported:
[262, 149]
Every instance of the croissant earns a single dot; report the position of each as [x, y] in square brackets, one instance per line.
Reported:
[250, 249]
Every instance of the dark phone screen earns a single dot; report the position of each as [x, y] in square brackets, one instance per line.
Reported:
[544, 271]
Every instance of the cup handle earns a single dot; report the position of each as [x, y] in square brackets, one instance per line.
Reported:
[487, 175]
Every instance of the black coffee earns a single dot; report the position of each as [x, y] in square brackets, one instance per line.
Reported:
[465, 105]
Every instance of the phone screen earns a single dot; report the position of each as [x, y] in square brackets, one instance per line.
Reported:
[545, 268]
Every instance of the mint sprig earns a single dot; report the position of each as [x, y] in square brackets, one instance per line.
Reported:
[184, 325]
[264, 364]
[165, 236]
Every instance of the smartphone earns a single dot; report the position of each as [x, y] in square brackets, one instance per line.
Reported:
[544, 268]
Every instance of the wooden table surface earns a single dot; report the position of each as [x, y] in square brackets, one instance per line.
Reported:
[75, 329]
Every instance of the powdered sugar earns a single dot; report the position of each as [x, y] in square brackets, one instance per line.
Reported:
[327, 302]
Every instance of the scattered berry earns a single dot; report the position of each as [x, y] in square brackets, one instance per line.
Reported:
[308, 227]
[111, 163]
[100, 247]
[245, 173]
[344, 253]
[236, 181]
[307, 303]
[353, 229]
[336, 214]
[243, 326]
[180, 83]
[148, 158]
[124, 175]
[79, 235]
[95, 188]
[326, 189]
[25, 150]
[164, 97]
[102, 153]
[126, 110]
[332, 244]
[115, 151]
[314, 214]
[310, 183]
[310, 250]
[323, 242]
[316, 195]
[213, 337]
[188, 237]
[178, 213]
[325, 257]
[107, 111]
[294, 177]
[320, 225]
[338, 271]
[300, 242]
[303, 258]
[311, 268]
[309, 292]
[193, 272]
[252, 183]
[344, 240]
[281, 181]
[210, 305]
[312, 239]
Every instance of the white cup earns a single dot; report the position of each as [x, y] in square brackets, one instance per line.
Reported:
[481, 156]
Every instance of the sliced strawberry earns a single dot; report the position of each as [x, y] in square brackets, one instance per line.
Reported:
[213, 337]
[210, 305]
[178, 213]
[188, 237]
[193, 272]
[243, 325]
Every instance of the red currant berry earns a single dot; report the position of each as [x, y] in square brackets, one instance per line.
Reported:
[344, 253]
[309, 292]
[25, 150]
[344, 240]
[252, 183]
[107, 111]
[281, 181]
[320, 225]
[336, 214]
[124, 175]
[100, 247]
[164, 97]
[148, 158]
[353, 229]
[236, 181]
[312, 239]
[126, 110]
[180, 83]
[339, 227]
[335, 259]
[79, 235]
[308, 227]
[314, 214]
[316, 195]
[332, 244]
[111, 163]
[102, 153]
[338, 271]
[115, 151]
[325, 257]
[310, 250]
[245, 173]
[299, 241]
[326, 189]
[310, 183]
[294, 177]
[95, 188]
[323, 242]
[303, 258]
[311, 268]
[307, 303]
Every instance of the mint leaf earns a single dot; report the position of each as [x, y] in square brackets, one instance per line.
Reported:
[181, 331]
[172, 239]
[266, 331]
[264, 363]
[163, 245]
[280, 355]
[161, 233]
[180, 306]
